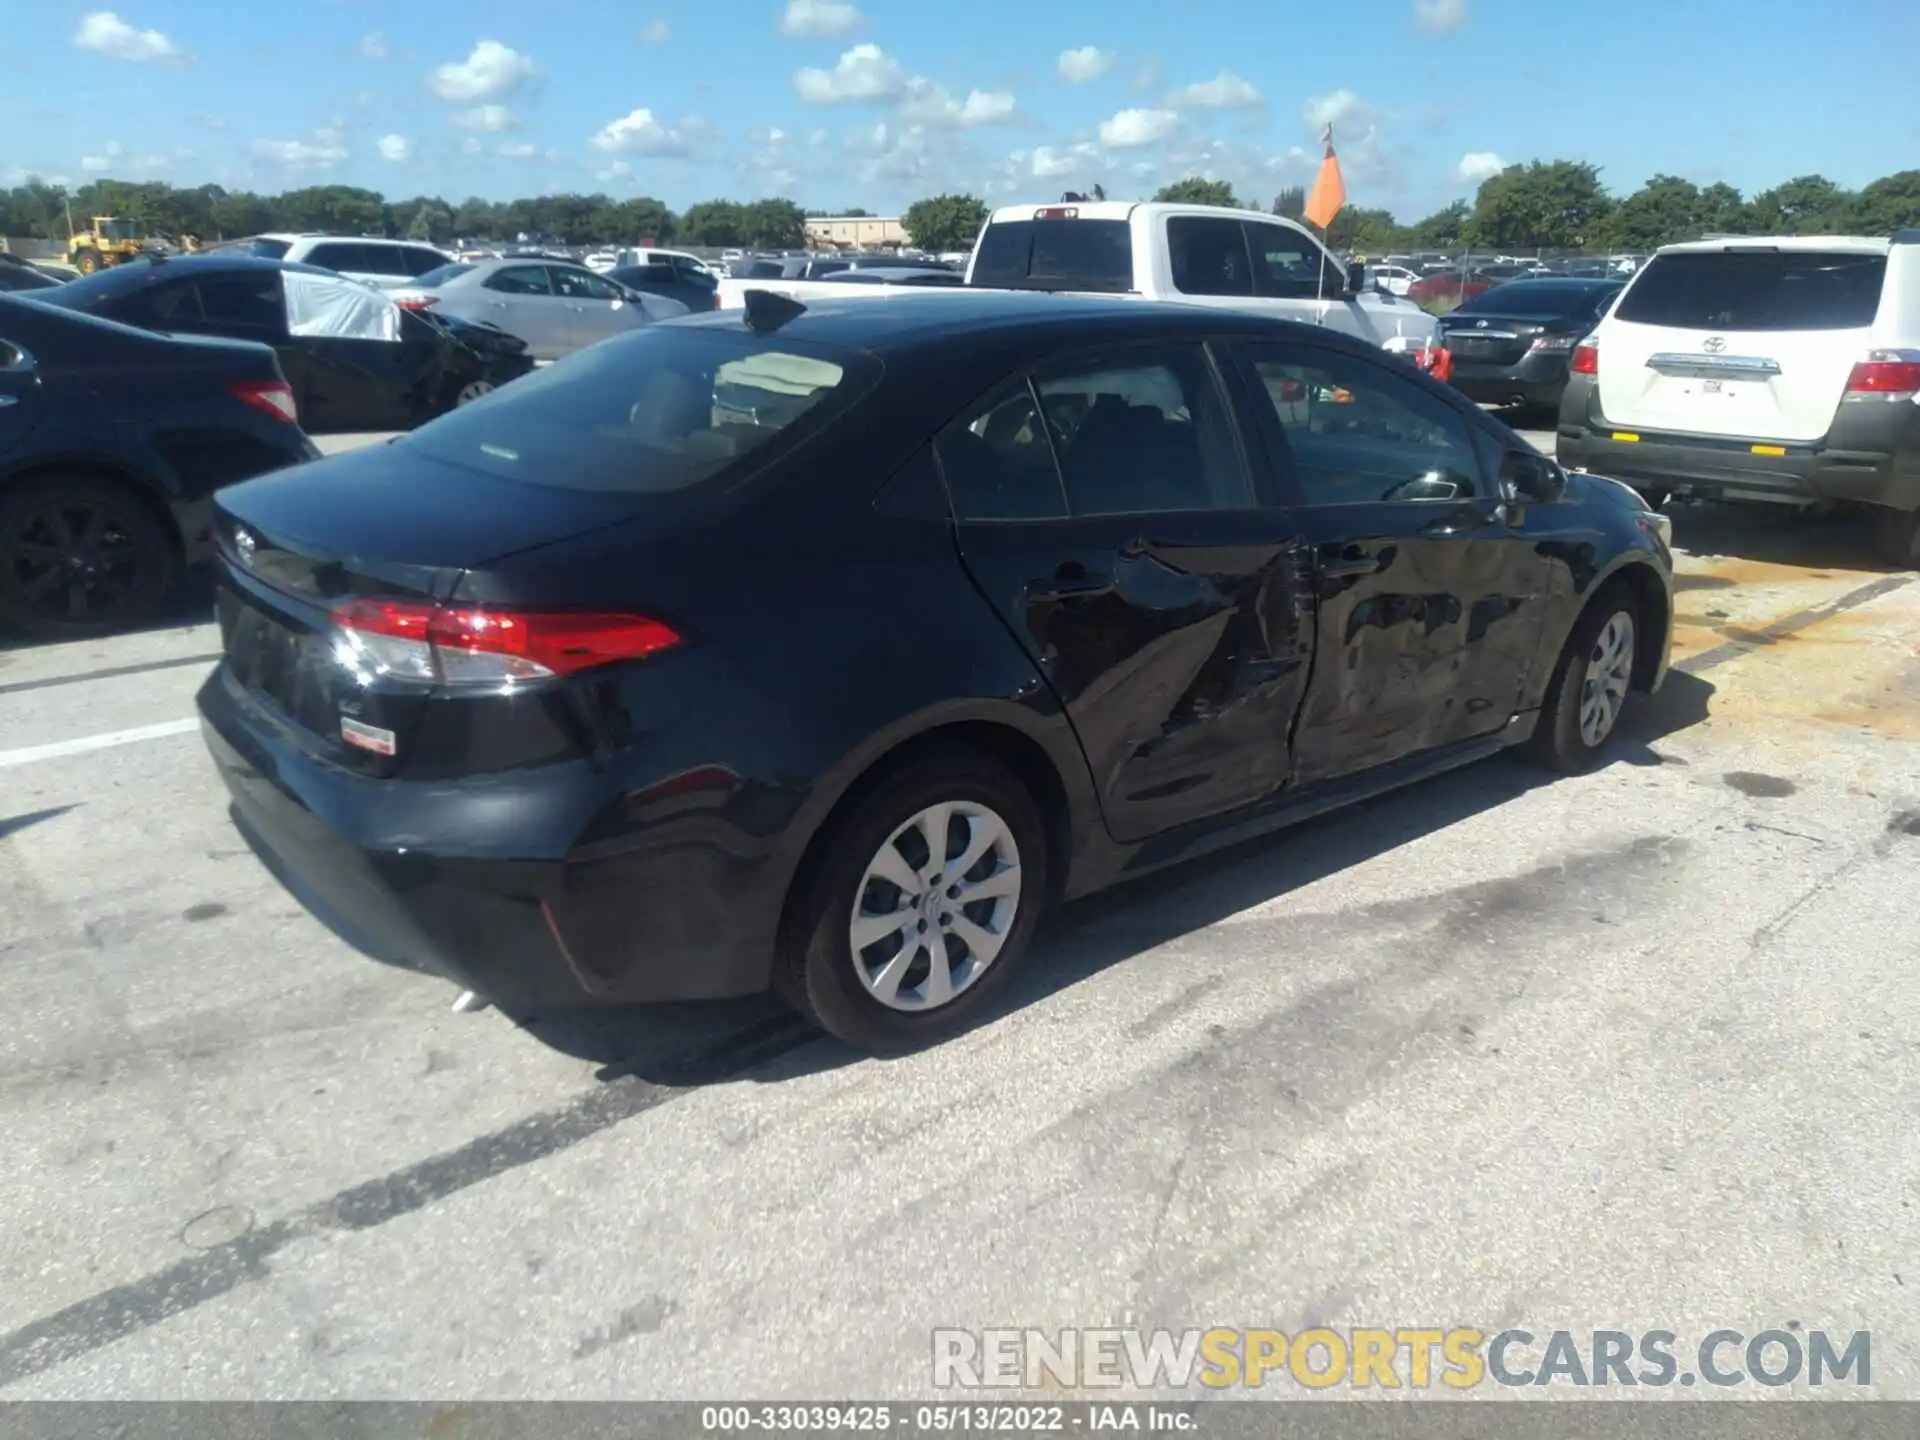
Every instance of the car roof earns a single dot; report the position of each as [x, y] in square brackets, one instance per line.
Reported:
[1850, 244]
[191, 264]
[934, 316]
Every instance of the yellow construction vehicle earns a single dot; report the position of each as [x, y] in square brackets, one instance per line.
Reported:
[109, 240]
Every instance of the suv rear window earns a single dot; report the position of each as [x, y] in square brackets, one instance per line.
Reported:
[1094, 255]
[659, 410]
[268, 249]
[1756, 290]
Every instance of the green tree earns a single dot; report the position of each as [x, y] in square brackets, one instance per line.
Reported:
[945, 222]
[1804, 205]
[774, 224]
[1196, 190]
[1554, 204]
[476, 218]
[1291, 202]
[1724, 211]
[339, 209]
[1444, 229]
[714, 222]
[643, 220]
[1888, 204]
[1364, 230]
[1665, 209]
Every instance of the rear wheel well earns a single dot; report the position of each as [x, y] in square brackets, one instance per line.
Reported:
[1651, 611]
[93, 470]
[1005, 745]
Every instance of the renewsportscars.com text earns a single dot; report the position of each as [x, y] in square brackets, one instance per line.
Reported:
[1396, 1358]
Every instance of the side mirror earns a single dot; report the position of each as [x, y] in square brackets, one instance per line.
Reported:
[1530, 479]
[1356, 278]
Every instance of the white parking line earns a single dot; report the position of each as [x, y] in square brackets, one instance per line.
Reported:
[85, 743]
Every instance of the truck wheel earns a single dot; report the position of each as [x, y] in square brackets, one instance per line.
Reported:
[87, 260]
[1899, 537]
[80, 556]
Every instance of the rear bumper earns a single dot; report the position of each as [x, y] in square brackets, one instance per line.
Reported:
[1871, 455]
[472, 882]
[1533, 379]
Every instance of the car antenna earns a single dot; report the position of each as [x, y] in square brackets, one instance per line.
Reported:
[767, 310]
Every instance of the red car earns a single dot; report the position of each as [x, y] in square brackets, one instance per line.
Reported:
[1445, 285]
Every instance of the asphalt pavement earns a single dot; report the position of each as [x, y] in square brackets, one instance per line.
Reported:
[1635, 1050]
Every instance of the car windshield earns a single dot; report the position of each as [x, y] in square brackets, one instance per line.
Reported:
[90, 292]
[1757, 290]
[1093, 255]
[660, 410]
[442, 275]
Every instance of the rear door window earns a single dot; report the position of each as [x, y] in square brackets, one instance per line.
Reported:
[244, 302]
[581, 285]
[1208, 256]
[520, 280]
[1091, 255]
[1756, 290]
[334, 255]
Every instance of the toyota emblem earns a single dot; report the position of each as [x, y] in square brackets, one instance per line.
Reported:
[1480, 324]
[244, 545]
[1714, 344]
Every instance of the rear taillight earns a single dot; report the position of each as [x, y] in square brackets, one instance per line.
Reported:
[465, 647]
[1885, 375]
[416, 302]
[1586, 357]
[273, 396]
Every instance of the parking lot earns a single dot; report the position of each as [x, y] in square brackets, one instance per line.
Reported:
[1501, 1050]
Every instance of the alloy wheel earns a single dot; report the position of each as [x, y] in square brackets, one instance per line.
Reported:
[1603, 690]
[73, 561]
[935, 906]
[472, 390]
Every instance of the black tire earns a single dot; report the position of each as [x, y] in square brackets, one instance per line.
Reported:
[1898, 536]
[86, 260]
[1558, 742]
[818, 972]
[80, 556]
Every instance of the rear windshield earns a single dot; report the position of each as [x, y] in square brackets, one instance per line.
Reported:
[1092, 255]
[1756, 290]
[268, 249]
[662, 409]
[442, 275]
[1533, 297]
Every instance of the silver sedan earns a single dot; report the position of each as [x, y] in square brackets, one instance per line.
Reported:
[554, 306]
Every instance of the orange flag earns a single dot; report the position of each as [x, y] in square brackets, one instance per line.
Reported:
[1329, 189]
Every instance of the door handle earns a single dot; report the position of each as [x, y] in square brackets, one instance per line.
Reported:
[1071, 581]
[1346, 565]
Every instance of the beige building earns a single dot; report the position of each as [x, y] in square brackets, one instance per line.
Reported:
[856, 232]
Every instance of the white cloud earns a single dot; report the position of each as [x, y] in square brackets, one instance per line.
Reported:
[1439, 17]
[492, 72]
[930, 104]
[1477, 165]
[815, 19]
[519, 150]
[1131, 128]
[315, 154]
[1048, 163]
[775, 135]
[638, 133]
[866, 72]
[1147, 77]
[373, 46]
[618, 170]
[656, 32]
[105, 33]
[395, 148]
[899, 155]
[108, 157]
[1324, 110]
[1089, 62]
[1226, 91]
[487, 119]
[471, 145]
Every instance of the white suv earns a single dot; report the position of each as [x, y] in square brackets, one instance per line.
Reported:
[387, 264]
[1782, 370]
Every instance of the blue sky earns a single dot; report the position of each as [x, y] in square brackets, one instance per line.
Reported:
[877, 102]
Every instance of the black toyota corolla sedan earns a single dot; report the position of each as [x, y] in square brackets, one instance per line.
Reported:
[819, 647]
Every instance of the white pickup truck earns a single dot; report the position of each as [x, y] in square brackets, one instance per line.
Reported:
[1193, 254]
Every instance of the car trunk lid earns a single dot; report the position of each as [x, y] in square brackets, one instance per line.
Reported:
[1755, 342]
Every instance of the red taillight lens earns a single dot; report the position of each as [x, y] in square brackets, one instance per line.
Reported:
[416, 302]
[273, 396]
[1585, 359]
[1885, 375]
[475, 646]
